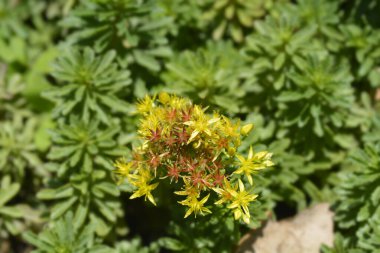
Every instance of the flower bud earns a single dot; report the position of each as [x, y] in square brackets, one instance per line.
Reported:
[231, 151]
[246, 129]
[164, 97]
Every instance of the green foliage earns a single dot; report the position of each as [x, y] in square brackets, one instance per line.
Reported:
[135, 29]
[63, 237]
[134, 246]
[84, 145]
[93, 199]
[90, 85]
[216, 233]
[276, 47]
[363, 44]
[17, 148]
[306, 73]
[10, 215]
[318, 85]
[211, 75]
[10, 89]
[84, 153]
[231, 17]
[339, 247]
[359, 192]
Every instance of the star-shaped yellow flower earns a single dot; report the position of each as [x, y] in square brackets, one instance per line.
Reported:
[253, 163]
[144, 189]
[145, 105]
[201, 124]
[240, 202]
[224, 192]
[195, 206]
[123, 169]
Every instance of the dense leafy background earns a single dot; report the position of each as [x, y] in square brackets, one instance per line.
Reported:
[306, 73]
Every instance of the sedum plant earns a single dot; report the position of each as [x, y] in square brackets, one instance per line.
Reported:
[339, 246]
[18, 152]
[232, 17]
[10, 215]
[363, 44]
[319, 84]
[11, 100]
[135, 246]
[85, 144]
[93, 199]
[276, 47]
[83, 152]
[210, 75]
[86, 139]
[63, 237]
[135, 29]
[90, 85]
[305, 72]
[197, 152]
[359, 191]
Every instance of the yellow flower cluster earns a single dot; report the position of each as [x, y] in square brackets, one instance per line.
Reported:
[196, 150]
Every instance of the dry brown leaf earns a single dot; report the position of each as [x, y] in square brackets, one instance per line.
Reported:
[303, 233]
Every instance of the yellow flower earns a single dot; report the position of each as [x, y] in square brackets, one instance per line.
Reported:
[224, 192]
[229, 129]
[195, 205]
[253, 163]
[189, 190]
[123, 168]
[145, 105]
[201, 124]
[240, 202]
[144, 189]
[180, 140]
[178, 103]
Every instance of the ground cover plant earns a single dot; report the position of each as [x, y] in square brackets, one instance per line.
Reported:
[178, 126]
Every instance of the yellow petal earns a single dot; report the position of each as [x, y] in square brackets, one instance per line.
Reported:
[193, 135]
[249, 177]
[189, 211]
[237, 214]
[260, 155]
[241, 158]
[204, 200]
[246, 219]
[212, 121]
[151, 199]
[250, 154]
[233, 205]
[136, 194]
[241, 185]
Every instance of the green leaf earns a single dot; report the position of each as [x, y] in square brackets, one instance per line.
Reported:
[171, 244]
[109, 188]
[35, 241]
[279, 61]
[364, 213]
[59, 193]
[8, 193]
[114, 103]
[290, 96]
[59, 209]
[146, 60]
[80, 215]
[11, 211]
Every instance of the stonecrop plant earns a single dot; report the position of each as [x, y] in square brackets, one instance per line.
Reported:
[197, 152]
[92, 161]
